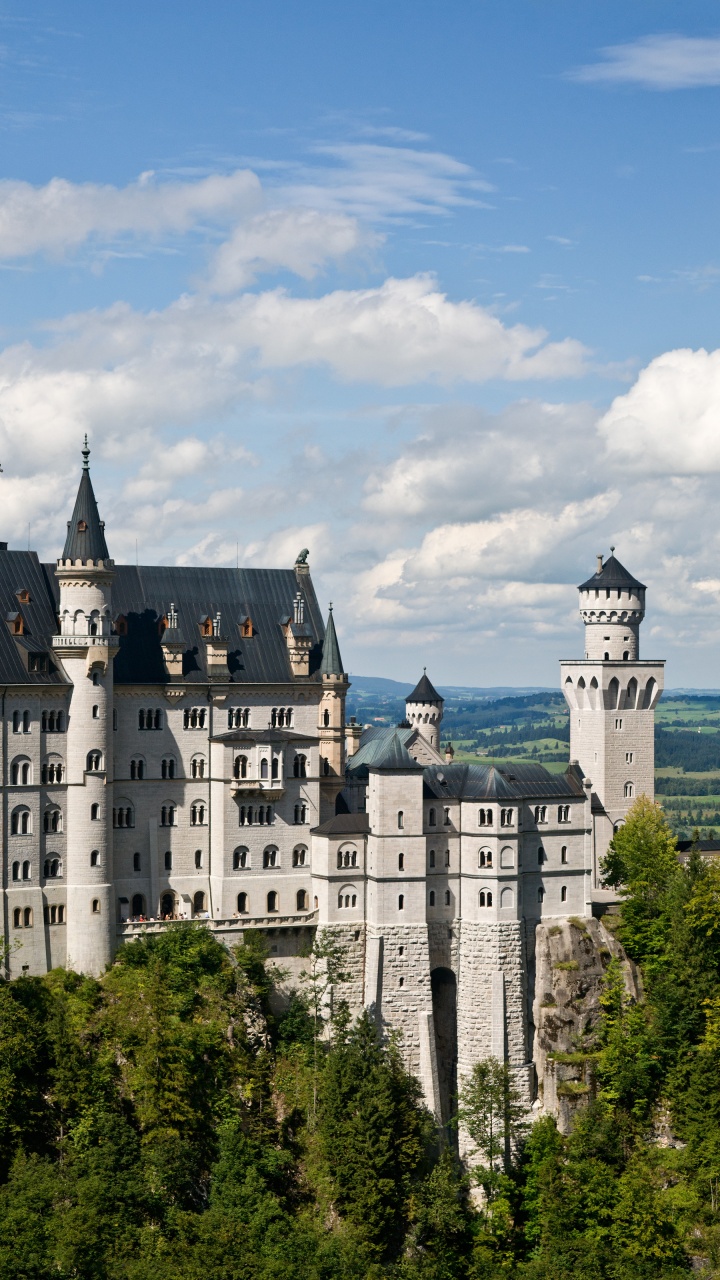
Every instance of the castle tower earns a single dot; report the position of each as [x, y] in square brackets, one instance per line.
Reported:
[612, 696]
[331, 726]
[424, 711]
[86, 649]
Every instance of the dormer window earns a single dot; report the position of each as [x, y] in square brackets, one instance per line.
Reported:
[246, 628]
[23, 595]
[82, 526]
[206, 626]
[37, 663]
[121, 626]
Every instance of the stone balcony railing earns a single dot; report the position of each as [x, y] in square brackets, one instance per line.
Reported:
[221, 924]
[270, 789]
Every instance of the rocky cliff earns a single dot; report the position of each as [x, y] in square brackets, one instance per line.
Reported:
[571, 957]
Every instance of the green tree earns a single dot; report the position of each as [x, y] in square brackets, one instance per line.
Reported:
[492, 1113]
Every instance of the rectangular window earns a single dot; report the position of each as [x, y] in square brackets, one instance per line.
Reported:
[629, 757]
[618, 723]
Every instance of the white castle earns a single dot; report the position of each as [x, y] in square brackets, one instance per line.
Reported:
[174, 745]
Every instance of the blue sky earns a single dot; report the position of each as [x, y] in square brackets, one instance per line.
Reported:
[432, 290]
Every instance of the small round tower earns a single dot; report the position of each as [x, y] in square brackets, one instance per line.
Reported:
[612, 606]
[424, 711]
[86, 648]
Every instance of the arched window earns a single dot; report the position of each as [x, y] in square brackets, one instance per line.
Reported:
[263, 768]
[563, 853]
[447, 897]
[167, 767]
[17, 918]
[563, 813]
[326, 768]
[52, 868]
[240, 767]
[242, 904]
[26, 870]
[199, 901]
[326, 718]
[197, 814]
[168, 859]
[270, 856]
[485, 858]
[431, 818]
[446, 819]
[123, 815]
[16, 870]
[197, 767]
[95, 858]
[20, 824]
[167, 815]
[275, 768]
[241, 858]
[138, 905]
[541, 856]
[563, 893]
[302, 900]
[52, 819]
[137, 769]
[300, 814]
[300, 766]
[432, 858]
[401, 819]
[167, 906]
[507, 898]
[94, 812]
[401, 862]
[136, 864]
[299, 855]
[94, 761]
[481, 898]
[28, 917]
[198, 859]
[432, 898]
[401, 901]
[540, 894]
[21, 772]
[96, 906]
[272, 901]
[629, 790]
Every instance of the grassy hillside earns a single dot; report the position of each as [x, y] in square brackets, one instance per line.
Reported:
[535, 727]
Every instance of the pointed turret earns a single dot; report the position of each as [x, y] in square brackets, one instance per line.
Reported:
[331, 664]
[424, 710]
[86, 531]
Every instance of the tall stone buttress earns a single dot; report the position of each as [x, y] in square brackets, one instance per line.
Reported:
[86, 648]
[612, 696]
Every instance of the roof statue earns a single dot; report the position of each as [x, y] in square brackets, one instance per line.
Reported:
[86, 531]
[303, 556]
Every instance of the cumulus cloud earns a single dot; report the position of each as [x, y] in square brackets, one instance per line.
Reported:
[299, 240]
[657, 62]
[668, 421]
[61, 215]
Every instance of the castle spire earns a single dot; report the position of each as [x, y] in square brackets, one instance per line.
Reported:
[86, 531]
[331, 664]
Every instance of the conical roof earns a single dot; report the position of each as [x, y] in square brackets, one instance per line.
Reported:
[424, 692]
[331, 664]
[86, 531]
[395, 756]
[612, 574]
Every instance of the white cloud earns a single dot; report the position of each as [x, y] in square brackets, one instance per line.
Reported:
[657, 62]
[61, 215]
[299, 240]
[668, 421]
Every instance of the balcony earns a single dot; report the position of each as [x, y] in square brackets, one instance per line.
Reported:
[268, 788]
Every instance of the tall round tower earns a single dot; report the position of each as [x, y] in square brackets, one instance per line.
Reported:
[86, 649]
[424, 711]
[612, 606]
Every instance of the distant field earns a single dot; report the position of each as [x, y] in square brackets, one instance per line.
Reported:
[534, 727]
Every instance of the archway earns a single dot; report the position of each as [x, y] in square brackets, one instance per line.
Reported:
[443, 986]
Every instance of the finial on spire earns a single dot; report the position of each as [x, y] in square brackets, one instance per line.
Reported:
[330, 606]
[612, 551]
[86, 454]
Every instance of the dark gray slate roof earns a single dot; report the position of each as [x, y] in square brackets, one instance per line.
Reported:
[487, 782]
[424, 692]
[344, 824]
[373, 745]
[86, 531]
[331, 664]
[612, 574]
[394, 755]
[22, 570]
[143, 596]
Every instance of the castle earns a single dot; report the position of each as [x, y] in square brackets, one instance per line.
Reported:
[174, 745]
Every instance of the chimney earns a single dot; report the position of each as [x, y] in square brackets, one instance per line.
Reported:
[600, 564]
